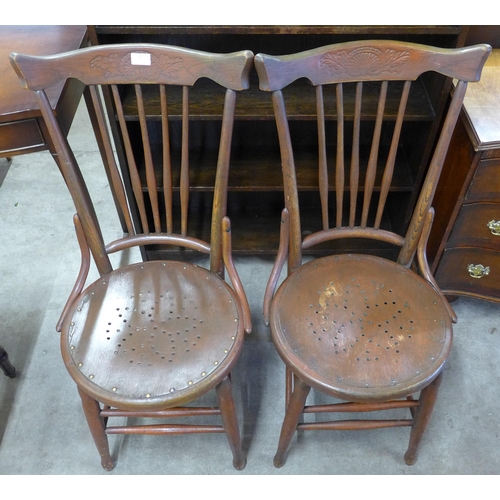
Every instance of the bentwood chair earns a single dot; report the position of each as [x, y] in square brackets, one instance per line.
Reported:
[363, 329]
[147, 339]
[5, 364]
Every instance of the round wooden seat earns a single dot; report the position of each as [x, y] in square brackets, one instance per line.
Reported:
[361, 328]
[152, 335]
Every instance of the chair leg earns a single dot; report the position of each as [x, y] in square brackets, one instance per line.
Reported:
[230, 421]
[5, 364]
[292, 416]
[91, 408]
[428, 397]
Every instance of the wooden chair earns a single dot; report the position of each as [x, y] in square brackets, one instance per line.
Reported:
[146, 339]
[361, 328]
[5, 364]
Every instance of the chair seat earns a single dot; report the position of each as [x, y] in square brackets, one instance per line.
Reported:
[152, 335]
[361, 328]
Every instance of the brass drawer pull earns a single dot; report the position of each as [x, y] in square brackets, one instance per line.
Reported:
[478, 270]
[494, 227]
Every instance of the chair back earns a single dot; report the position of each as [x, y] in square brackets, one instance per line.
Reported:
[363, 92]
[146, 83]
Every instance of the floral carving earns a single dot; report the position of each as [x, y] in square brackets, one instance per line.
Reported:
[115, 64]
[365, 60]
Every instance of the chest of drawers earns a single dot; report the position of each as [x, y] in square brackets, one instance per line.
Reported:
[465, 241]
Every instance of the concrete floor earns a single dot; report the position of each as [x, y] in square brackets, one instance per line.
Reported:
[42, 427]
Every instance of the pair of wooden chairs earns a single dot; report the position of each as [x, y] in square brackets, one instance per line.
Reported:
[148, 339]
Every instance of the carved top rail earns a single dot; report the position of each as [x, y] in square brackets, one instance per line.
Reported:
[126, 63]
[370, 60]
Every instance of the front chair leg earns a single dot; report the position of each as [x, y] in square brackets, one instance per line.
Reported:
[230, 421]
[92, 411]
[428, 397]
[5, 364]
[292, 416]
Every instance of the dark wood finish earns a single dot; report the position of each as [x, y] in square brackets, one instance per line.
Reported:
[22, 129]
[485, 185]
[457, 279]
[149, 338]
[5, 364]
[488, 33]
[468, 201]
[255, 185]
[359, 327]
[471, 227]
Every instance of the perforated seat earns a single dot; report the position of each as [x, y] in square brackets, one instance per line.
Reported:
[148, 333]
[381, 332]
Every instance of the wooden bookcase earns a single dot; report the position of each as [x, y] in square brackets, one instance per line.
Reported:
[255, 199]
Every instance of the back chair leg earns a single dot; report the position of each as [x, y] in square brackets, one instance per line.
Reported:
[428, 397]
[292, 416]
[5, 364]
[91, 408]
[230, 421]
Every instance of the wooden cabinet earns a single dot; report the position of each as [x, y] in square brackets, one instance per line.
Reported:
[255, 199]
[465, 240]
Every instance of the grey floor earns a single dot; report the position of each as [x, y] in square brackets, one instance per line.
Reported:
[42, 427]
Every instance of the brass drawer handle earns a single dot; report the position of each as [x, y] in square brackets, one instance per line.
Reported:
[494, 227]
[478, 270]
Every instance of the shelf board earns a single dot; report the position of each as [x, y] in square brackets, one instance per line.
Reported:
[207, 100]
[256, 232]
[259, 170]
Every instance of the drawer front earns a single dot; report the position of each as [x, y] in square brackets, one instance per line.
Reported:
[485, 185]
[20, 137]
[454, 277]
[477, 225]
[491, 153]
